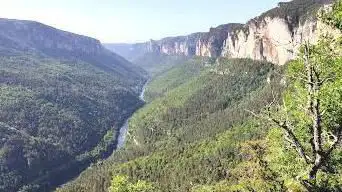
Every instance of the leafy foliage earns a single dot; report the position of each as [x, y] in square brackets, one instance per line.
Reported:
[295, 11]
[121, 184]
[308, 156]
[334, 17]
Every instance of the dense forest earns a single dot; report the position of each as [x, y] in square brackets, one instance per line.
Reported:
[235, 125]
[60, 109]
[178, 140]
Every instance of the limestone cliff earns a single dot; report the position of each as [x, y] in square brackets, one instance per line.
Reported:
[274, 36]
[204, 44]
[272, 39]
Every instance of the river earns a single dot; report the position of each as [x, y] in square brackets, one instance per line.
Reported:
[72, 169]
[124, 128]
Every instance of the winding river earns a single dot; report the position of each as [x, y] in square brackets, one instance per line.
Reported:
[72, 169]
[124, 128]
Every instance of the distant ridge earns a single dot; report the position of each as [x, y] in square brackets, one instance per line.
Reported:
[251, 40]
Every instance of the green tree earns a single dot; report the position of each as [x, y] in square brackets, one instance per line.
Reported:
[121, 184]
[311, 113]
[334, 17]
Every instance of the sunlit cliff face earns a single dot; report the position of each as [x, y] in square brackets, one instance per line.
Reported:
[272, 39]
[275, 40]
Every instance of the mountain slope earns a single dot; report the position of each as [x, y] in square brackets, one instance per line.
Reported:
[30, 36]
[63, 98]
[178, 140]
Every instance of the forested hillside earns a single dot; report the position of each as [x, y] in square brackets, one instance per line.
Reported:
[157, 63]
[62, 99]
[178, 140]
[235, 125]
[178, 73]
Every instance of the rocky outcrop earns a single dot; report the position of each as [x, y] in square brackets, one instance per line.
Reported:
[204, 44]
[211, 44]
[272, 39]
[275, 36]
[208, 44]
[182, 45]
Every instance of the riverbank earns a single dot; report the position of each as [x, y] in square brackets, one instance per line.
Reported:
[121, 138]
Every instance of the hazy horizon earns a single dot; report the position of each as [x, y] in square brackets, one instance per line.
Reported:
[134, 21]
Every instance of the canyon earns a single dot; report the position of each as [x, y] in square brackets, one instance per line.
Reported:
[275, 36]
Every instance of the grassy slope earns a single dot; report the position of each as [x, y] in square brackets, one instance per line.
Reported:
[191, 135]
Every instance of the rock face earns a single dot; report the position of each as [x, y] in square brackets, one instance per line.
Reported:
[272, 39]
[211, 44]
[274, 36]
[204, 44]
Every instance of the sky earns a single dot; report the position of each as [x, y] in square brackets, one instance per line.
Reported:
[129, 21]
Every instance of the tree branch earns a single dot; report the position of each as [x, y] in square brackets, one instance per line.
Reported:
[325, 155]
[320, 83]
[291, 136]
[337, 139]
[295, 141]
